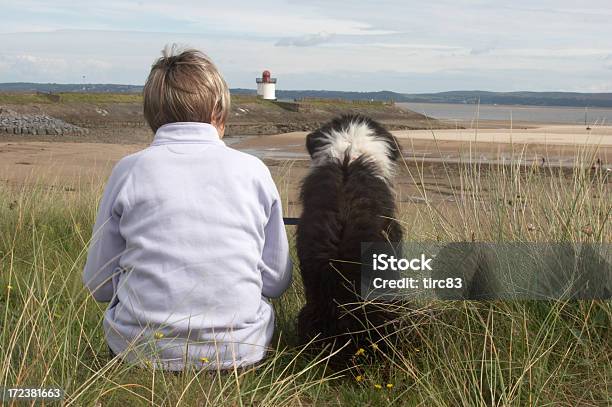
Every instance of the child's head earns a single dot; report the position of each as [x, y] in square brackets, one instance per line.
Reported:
[185, 87]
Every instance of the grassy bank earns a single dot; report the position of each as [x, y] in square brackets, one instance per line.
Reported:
[452, 353]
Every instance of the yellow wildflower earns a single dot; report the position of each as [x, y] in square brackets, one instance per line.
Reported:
[204, 360]
[9, 287]
[374, 346]
[378, 386]
[158, 335]
[359, 378]
[389, 385]
[360, 352]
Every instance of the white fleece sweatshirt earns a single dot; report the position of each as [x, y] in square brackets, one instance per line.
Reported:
[188, 242]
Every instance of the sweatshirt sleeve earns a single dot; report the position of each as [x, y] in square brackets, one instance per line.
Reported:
[276, 266]
[107, 244]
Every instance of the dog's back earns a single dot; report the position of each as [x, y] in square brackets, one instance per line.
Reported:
[347, 199]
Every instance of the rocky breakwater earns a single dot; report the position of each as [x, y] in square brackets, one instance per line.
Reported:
[28, 124]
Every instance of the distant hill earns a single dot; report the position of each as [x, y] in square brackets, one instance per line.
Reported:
[461, 97]
[458, 97]
[515, 98]
[69, 87]
[383, 95]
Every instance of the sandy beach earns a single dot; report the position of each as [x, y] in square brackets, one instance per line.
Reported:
[559, 143]
[67, 163]
[546, 135]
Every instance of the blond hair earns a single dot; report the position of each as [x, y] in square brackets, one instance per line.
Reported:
[185, 86]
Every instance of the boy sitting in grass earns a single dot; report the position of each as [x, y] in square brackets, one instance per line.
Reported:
[189, 239]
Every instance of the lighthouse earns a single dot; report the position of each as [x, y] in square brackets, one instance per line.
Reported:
[266, 86]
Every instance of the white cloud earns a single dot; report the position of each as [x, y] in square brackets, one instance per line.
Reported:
[305, 40]
[555, 52]
[485, 49]
[395, 44]
[32, 68]
[608, 62]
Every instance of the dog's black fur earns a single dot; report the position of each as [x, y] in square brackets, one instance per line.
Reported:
[346, 200]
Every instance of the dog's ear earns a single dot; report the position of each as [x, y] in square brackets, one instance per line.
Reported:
[314, 142]
[395, 151]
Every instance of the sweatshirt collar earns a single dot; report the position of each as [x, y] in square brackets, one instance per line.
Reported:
[186, 133]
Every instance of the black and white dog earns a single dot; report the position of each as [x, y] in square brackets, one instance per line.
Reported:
[347, 198]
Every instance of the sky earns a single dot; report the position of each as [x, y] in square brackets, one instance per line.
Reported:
[400, 45]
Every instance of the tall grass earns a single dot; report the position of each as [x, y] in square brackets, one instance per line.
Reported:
[451, 353]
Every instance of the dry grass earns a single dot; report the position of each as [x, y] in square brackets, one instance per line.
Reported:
[452, 353]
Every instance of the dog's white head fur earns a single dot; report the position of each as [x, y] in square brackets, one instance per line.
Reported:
[353, 137]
